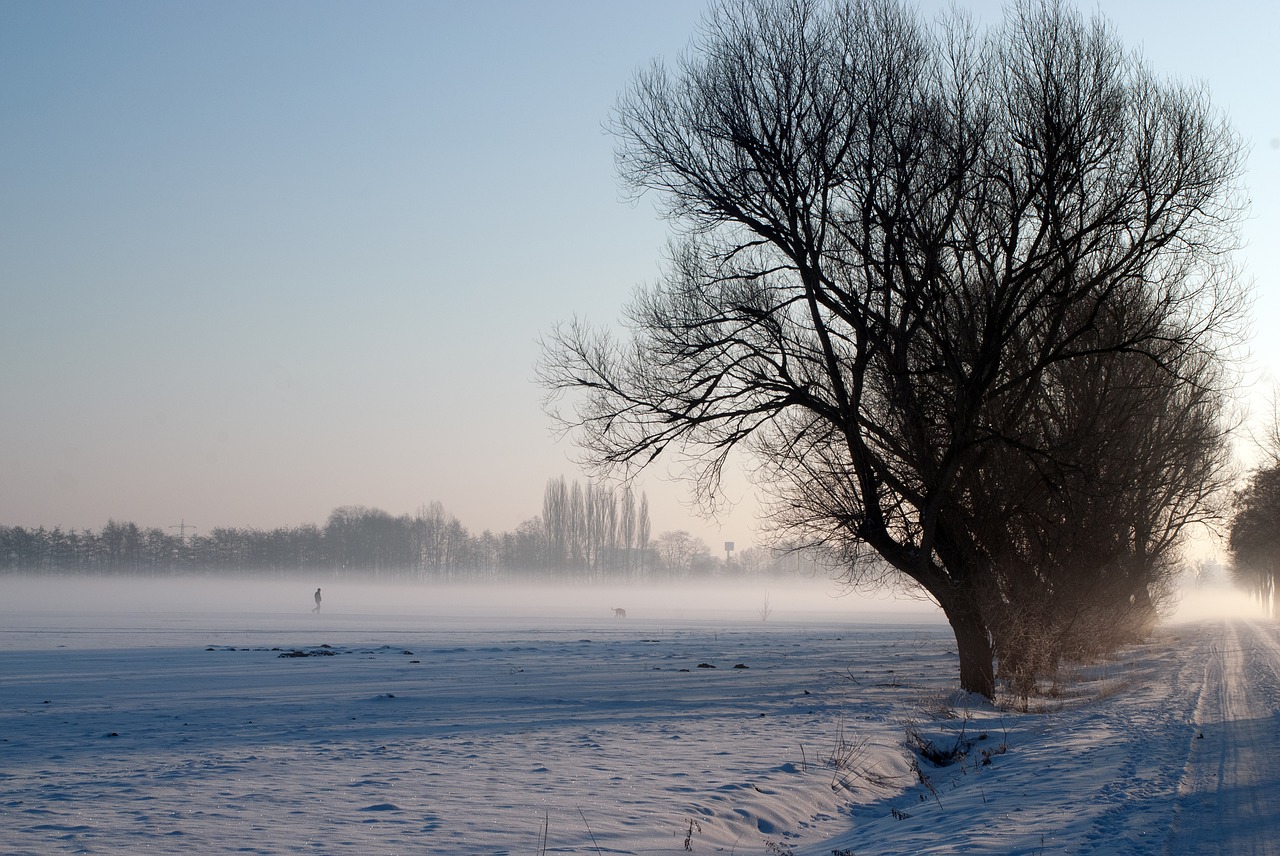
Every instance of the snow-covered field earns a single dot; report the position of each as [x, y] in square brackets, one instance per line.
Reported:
[183, 718]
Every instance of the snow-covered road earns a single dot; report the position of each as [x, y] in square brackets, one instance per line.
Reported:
[1229, 796]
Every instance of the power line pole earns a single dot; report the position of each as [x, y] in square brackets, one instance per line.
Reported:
[182, 528]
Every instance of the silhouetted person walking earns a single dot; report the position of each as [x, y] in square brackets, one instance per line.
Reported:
[317, 609]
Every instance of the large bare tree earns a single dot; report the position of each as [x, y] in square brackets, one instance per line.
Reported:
[890, 239]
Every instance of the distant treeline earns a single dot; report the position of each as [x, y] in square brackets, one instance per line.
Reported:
[591, 534]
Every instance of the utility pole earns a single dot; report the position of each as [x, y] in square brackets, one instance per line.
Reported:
[182, 528]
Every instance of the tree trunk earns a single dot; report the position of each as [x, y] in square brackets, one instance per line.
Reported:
[973, 644]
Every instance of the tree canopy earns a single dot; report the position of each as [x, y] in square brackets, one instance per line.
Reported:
[961, 296]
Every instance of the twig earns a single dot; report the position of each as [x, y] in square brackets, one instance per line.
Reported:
[589, 832]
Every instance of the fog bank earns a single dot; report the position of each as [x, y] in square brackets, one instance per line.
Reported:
[78, 611]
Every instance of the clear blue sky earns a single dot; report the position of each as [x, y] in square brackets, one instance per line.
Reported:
[261, 259]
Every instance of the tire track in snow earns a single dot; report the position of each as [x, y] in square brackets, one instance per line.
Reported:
[1228, 801]
[1139, 763]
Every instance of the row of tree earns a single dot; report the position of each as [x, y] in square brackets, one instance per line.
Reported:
[1255, 537]
[595, 530]
[590, 533]
[1255, 529]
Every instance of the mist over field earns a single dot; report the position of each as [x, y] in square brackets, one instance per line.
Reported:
[246, 602]
[87, 611]
[96, 612]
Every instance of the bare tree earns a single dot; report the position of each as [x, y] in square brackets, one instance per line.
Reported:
[627, 523]
[555, 522]
[889, 236]
[642, 532]
[678, 550]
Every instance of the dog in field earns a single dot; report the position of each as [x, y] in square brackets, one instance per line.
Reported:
[619, 612]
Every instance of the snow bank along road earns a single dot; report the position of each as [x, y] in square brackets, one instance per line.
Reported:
[1171, 749]
[621, 737]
